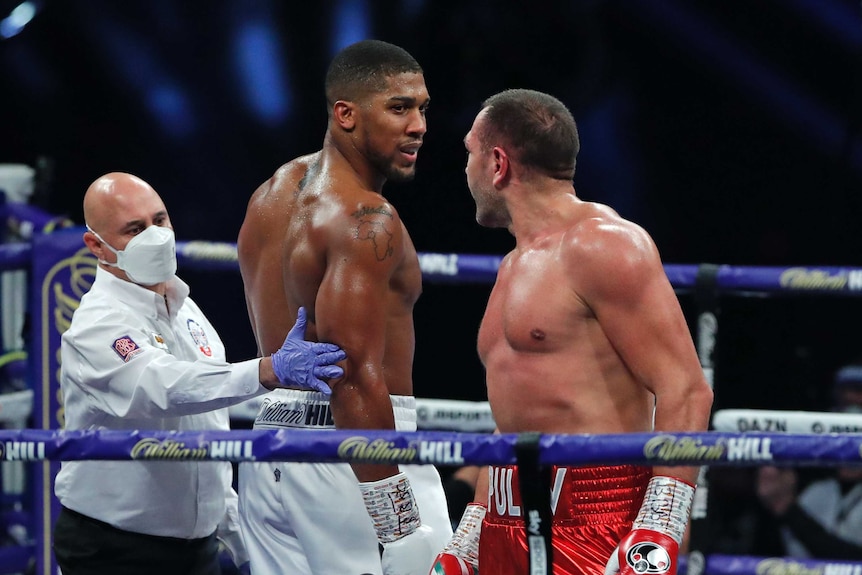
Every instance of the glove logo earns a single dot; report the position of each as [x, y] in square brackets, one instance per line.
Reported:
[647, 557]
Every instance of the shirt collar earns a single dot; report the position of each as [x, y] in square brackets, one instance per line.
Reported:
[140, 298]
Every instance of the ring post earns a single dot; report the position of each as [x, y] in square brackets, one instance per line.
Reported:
[706, 330]
[535, 485]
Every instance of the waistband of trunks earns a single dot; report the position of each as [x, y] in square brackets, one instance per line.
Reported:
[298, 409]
[579, 495]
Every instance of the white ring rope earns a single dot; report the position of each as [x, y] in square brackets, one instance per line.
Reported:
[786, 421]
[476, 416]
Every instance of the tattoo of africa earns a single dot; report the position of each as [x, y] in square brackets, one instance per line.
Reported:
[375, 231]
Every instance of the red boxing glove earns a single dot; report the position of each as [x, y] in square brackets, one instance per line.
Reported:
[461, 555]
[652, 547]
[644, 551]
[447, 564]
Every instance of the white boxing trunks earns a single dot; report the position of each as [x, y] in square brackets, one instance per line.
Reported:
[309, 518]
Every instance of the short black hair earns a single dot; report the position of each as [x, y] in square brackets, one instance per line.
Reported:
[364, 68]
[538, 129]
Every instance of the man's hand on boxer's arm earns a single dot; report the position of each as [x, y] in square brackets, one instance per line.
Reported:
[461, 554]
[653, 544]
[407, 547]
[303, 363]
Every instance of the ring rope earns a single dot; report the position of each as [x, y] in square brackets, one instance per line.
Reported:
[434, 447]
[838, 280]
[719, 564]
[786, 421]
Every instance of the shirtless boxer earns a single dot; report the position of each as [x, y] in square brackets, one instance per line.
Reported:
[582, 334]
[319, 234]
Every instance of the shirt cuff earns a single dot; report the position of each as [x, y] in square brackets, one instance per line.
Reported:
[245, 377]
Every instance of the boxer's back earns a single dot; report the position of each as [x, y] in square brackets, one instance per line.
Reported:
[259, 247]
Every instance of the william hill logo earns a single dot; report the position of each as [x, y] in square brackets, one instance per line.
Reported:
[378, 451]
[814, 279]
[785, 567]
[444, 264]
[670, 447]
[152, 448]
[790, 567]
[683, 449]
[22, 450]
[359, 448]
[230, 450]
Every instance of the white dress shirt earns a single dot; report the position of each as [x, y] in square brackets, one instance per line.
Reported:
[132, 359]
[840, 513]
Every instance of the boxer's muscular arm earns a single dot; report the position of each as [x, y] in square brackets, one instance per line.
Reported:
[622, 279]
[640, 315]
[352, 307]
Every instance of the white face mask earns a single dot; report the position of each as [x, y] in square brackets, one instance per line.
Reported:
[150, 257]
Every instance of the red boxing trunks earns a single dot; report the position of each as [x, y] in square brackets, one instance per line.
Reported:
[593, 508]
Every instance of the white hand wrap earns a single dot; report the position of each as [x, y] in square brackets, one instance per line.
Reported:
[666, 507]
[465, 540]
[391, 506]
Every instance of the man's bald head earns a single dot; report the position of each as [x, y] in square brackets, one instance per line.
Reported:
[117, 198]
[117, 207]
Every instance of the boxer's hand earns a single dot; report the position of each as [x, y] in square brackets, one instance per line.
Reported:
[446, 564]
[303, 363]
[461, 555]
[410, 555]
[407, 547]
[653, 544]
[644, 551]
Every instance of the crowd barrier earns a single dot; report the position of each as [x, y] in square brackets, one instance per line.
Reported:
[61, 270]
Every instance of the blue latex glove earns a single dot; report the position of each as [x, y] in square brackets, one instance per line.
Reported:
[303, 363]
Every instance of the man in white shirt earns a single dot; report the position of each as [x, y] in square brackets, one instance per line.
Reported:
[823, 519]
[140, 354]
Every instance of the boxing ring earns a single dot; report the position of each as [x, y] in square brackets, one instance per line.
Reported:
[451, 433]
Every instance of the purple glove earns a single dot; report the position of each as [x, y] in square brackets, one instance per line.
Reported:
[303, 363]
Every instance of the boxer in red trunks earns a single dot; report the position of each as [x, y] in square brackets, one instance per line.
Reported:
[582, 333]
[593, 508]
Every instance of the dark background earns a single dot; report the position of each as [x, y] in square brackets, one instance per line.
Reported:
[729, 129]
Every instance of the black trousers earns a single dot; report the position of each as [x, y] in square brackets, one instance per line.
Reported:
[86, 546]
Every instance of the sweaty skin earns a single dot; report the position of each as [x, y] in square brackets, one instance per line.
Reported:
[583, 332]
[320, 234]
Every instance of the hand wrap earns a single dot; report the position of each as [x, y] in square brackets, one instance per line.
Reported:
[460, 556]
[652, 547]
[394, 513]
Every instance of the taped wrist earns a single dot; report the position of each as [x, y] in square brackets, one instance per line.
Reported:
[391, 506]
[666, 507]
[465, 540]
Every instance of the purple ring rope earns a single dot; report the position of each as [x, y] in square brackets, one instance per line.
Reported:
[434, 447]
[478, 268]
